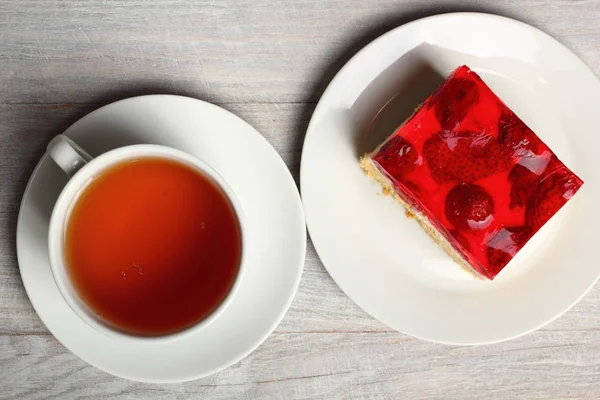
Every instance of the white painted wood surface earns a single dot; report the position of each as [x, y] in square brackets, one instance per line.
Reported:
[268, 61]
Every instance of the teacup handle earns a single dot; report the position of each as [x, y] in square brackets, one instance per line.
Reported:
[67, 154]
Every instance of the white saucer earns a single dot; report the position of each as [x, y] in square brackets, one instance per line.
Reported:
[385, 262]
[275, 224]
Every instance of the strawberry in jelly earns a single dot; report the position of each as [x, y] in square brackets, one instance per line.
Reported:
[399, 157]
[469, 207]
[503, 246]
[453, 103]
[462, 156]
[477, 171]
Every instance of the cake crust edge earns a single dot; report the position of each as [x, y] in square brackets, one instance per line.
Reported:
[371, 171]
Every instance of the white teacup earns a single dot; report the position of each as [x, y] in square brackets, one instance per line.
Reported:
[81, 169]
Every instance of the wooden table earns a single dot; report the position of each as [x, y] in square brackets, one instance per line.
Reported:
[269, 62]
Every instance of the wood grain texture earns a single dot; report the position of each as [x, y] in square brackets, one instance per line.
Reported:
[224, 50]
[267, 61]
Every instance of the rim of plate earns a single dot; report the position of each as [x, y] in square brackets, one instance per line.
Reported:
[323, 104]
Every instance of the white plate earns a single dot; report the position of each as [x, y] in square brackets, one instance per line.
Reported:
[385, 262]
[273, 213]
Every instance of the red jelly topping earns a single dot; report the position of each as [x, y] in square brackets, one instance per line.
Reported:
[482, 177]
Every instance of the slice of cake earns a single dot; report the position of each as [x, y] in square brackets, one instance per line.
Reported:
[477, 179]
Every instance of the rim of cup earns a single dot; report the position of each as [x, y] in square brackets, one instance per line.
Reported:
[61, 214]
